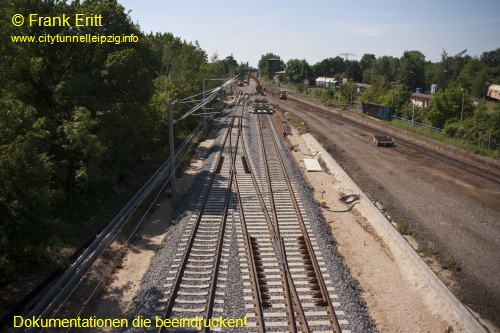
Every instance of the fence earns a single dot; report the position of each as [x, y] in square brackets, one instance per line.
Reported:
[414, 123]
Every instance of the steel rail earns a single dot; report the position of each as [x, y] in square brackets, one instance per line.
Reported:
[291, 294]
[253, 269]
[314, 261]
[213, 286]
[185, 258]
[277, 241]
[289, 306]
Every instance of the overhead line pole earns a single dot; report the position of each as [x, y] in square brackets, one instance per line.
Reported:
[173, 187]
[171, 122]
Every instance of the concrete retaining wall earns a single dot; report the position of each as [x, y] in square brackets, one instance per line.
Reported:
[375, 217]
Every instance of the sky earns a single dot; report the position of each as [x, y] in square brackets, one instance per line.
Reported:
[316, 30]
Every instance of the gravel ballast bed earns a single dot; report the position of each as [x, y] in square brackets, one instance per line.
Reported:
[146, 302]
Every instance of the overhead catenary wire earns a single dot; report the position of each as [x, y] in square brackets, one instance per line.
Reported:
[191, 99]
[207, 99]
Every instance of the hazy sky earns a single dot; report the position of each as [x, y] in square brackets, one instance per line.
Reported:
[315, 30]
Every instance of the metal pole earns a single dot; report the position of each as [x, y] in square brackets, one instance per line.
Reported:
[392, 105]
[204, 111]
[463, 100]
[413, 114]
[173, 187]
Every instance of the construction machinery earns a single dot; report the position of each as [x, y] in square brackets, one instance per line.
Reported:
[258, 88]
[261, 105]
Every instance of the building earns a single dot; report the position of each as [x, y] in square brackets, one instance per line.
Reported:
[361, 87]
[273, 66]
[278, 75]
[326, 81]
[494, 92]
[420, 100]
[433, 88]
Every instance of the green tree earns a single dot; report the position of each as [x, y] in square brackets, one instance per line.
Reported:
[481, 129]
[398, 99]
[85, 155]
[230, 66]
[353, 71]
[411, 70]
[76, 116]
[26, 195]
[329, 67]
[347, 92]
[446, 106]
[473, 78]
[366, 62]
[377, 90]
[385, 66]
[297, 70]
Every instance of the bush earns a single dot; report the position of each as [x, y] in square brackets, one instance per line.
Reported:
[450, 130]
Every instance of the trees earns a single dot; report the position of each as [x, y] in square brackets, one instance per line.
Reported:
[366, 62]
[377, 90]
[473, 78]
[446, 106]
[27, 196]
[491, 60]
[353, 71]
[329, 67]
[347, 91]
[385, 66]
[230, 66]
[411, 70]
[78, 119]
[297, 70]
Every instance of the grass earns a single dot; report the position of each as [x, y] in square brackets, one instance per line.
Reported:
[298, 123]
[492, 107]
[403, 228]
[425, 250]
[118, 263]
[442, 138]
[452, 265]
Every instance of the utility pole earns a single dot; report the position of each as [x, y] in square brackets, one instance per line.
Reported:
[173, 187]
[347, 55]
[463, 101]
[393, 84]
[347, 58]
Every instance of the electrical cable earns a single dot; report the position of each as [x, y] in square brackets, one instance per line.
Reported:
[351, 199]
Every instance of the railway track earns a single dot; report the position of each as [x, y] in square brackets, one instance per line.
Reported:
[478, 171]
[292, 263]
[199, 266]
[286, 284]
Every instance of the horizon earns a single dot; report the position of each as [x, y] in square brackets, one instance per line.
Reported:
[297, 30]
